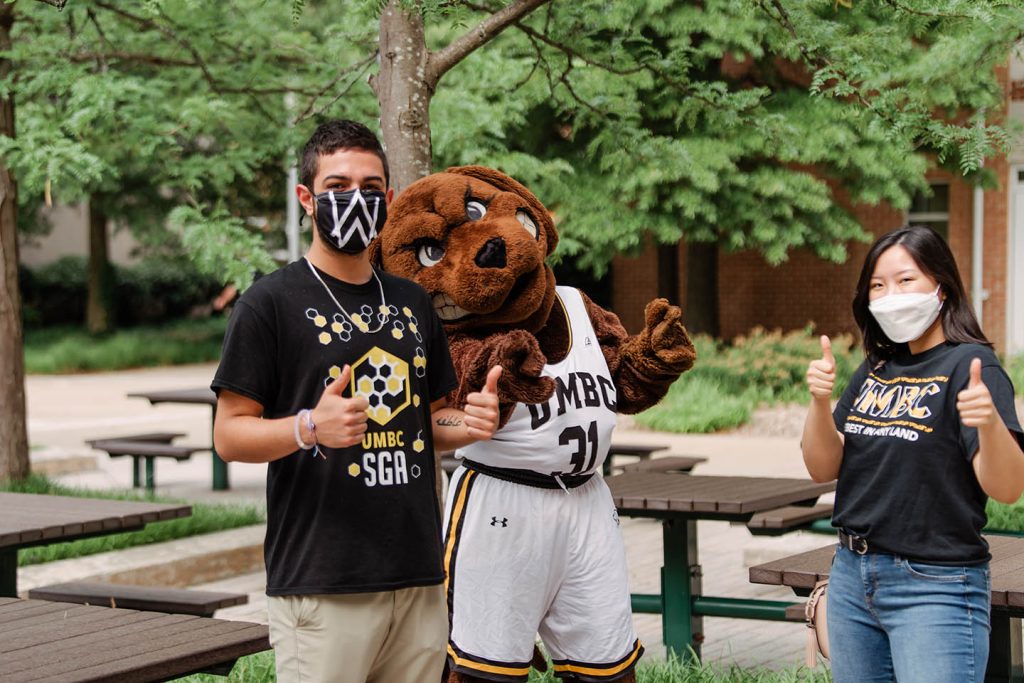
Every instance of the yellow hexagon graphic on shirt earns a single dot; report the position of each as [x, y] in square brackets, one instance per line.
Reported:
[319, 321]
[418, 445]
[324, 338]
[334, 372]
[416, 400]
[354, 470]
[383, 379]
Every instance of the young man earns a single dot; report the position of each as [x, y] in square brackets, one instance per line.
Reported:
[336, 374]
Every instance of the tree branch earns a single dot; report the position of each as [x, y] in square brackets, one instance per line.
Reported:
[362, 66]
[59, 4]
[197, 59]
[440, 62]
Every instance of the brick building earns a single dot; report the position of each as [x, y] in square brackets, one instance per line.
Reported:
[985, 230]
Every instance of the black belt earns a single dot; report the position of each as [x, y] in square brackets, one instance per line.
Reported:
[857, 544]
[529, 477]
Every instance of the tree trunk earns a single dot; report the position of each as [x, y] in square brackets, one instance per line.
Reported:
[404, 95]
[702, 288]
[98, 306]
[13, 430]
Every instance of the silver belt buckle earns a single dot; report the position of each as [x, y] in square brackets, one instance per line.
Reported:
[858, 544]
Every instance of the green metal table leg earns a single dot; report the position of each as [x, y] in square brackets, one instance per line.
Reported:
[220, 468]
[150, 478]
[8, 573]
[680, 581]
[136, 471]
[1005, 661]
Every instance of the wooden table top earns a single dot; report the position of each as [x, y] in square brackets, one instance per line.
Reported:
[657, 493]
[63, 642]
[31, 519]
[201, 395]
[804, 570]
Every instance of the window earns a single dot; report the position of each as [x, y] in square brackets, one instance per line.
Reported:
[931, 210]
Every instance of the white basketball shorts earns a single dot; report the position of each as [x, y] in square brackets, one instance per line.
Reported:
[522, 560]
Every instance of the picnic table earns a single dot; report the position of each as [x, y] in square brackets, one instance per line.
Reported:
[679, 502]
[1005, 662]
[28, 519]
[64, 642]
[194, 396]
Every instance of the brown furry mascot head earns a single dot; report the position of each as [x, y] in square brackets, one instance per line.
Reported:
[477, 241]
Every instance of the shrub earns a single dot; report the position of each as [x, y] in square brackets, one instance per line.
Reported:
[729, 381]
[153, 290]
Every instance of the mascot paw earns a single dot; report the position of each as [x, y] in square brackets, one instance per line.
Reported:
[519, 354]
[669, 340]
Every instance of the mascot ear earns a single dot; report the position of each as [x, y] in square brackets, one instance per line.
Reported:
[508, 184]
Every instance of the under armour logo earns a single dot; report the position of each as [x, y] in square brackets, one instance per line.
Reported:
[503, 521]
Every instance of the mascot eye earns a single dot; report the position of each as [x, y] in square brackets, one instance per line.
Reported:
[475, 210]
[527, 222]
[430, 254]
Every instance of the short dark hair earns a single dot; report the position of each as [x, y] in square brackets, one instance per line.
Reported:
[331, 136]
[933, 256]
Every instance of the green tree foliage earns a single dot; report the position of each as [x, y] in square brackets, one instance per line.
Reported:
[754, 125]
[750, 124]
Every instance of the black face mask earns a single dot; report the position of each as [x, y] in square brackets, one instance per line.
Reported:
[349, 221]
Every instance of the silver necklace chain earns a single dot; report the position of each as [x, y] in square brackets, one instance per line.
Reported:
[357, 319]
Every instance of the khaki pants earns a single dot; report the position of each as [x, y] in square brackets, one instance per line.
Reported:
[389, 637]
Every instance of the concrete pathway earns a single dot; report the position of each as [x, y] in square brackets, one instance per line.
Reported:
[63, 411]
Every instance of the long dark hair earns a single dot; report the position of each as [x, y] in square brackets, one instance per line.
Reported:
[932, 255]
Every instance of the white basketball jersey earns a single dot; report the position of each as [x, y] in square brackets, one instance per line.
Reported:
[571, 433]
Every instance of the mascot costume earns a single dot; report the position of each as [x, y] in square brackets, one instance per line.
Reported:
[532, 542]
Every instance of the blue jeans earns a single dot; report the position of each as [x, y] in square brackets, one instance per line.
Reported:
[890, 618]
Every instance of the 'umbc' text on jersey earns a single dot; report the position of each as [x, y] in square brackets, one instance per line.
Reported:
[582, 389]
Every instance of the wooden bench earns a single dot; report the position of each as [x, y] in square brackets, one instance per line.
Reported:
[670, 463]
[640, 451]
[785, 519]
[145, 447]
[149, 598]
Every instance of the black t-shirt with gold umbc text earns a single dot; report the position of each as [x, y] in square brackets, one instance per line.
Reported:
[364, 518]
[906, 482]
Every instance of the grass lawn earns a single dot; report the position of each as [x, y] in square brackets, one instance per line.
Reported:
[259, 668]
[72, 349]
[206, 518]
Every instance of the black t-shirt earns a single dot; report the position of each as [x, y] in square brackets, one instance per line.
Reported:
[366, 518]
[906, 482]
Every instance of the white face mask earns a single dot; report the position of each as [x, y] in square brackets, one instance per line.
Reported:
[905, 317]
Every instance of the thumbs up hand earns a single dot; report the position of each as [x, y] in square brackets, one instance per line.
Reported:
[975, 402]
[821, 373]
[340, 422]
[482, 408]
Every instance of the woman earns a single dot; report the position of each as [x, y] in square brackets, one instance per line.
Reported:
[924, 433]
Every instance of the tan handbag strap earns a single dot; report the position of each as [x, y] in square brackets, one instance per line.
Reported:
[813, 647]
